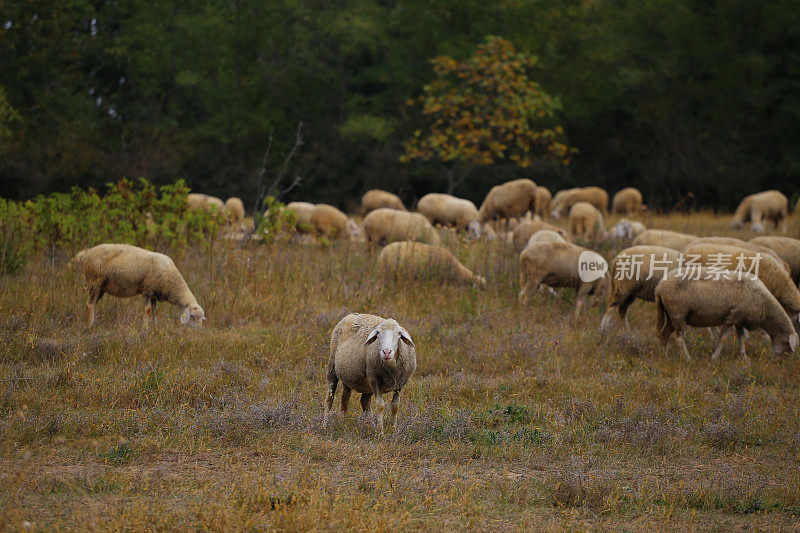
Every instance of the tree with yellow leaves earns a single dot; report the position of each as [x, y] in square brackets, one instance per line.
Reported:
[485, 110]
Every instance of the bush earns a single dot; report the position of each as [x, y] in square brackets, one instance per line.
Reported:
[275, 220]
[131, 212]
[15, 236]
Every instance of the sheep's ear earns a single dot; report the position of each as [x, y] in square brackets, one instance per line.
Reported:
[406, 338]
[371, 337]
[186, 316]
[793, 341]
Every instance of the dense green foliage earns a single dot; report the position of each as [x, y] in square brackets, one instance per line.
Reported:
[133, 212]
[672, 96]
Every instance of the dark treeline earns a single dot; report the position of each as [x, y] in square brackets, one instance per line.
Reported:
[672, 96]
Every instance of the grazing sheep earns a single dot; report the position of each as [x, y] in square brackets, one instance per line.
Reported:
[787, 249]
[634, 273]
[543, 199]
[447, 210]
[741, 302]
[626, 230]
[662, 237]
[370, 355]
[330, 222]
[481, 231]
[739, 243]
[524, 231]
[586, 222]
[376, 198]
[303, 211]
[564, 200]
[510, 200]
[544, 235]
[554, 264]
[385, 225]
[761, 208]
[234, 209]
[123, 271]
[628, 202]
[198, 200]
[770, 270]
[418, 260]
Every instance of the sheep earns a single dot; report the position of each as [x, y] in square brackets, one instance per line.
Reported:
[376, 198]
[787, 249]
[543, 199]
[634, 273]
[701, 299]
[739, 243]
[628, 201]
[409, 259]
[662, 237]
[198, 200]
[123, 271]
[769, 270]
[564, 200]
[447, 210]
[544, 235]
[555, 264]
[303, 211]
[509, 200]
[760, 208]
[370, 355]
[477, 230]
[234, 208]
[385, 225]
[626, 229]
[586, 222]
[330, 222]
[523, 232]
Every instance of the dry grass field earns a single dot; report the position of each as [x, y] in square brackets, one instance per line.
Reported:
[516, 419]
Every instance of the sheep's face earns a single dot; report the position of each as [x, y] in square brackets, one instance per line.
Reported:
[388, 336]
[786, 345]
[193, 316]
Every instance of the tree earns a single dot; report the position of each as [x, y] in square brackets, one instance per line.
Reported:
[486, 110]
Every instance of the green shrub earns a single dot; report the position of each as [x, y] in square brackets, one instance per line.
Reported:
[15, 236]
[131, 211]
[275, 220]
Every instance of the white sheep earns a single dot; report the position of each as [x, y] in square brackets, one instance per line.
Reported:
[370, 355]
[662, 237]
[761, 208]
[123, 271]
[704, 299]
[544, 235]
[556, 264]
[448, 210]
[626, 230]
[586, 222]
[414, 260]
[385, 225]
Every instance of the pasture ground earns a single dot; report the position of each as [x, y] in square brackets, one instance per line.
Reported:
[517, 418]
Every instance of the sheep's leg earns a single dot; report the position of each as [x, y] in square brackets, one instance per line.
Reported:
[395, 407]
[380, 406]
[366, 400]
[583, 291]
[94, 297]
[722, 333]
[345, 397]
[148, 310]
[682, 344]
[154, 304]
[333, 381]
[528, 286]
[741, 333]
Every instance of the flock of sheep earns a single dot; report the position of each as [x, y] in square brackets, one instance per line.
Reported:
[731, 285]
